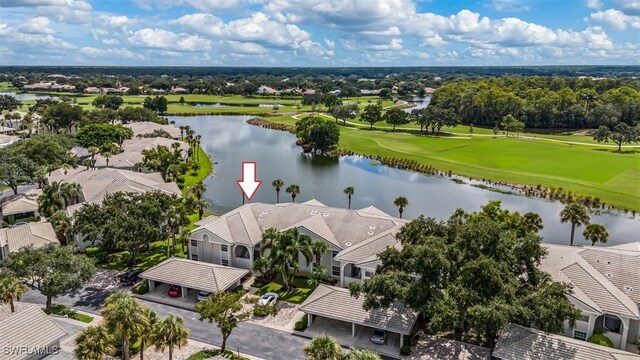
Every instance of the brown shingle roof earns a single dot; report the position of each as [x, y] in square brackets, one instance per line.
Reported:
[30, 328]
[37, 234]
[520, 343]
[195, 274]
[337, 303]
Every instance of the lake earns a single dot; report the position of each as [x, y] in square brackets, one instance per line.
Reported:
[28, 96]
[421, 103]
[230, 141]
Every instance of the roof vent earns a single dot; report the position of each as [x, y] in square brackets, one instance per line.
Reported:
[609, 274]
[265, 228]
[348, 243]
[313, 212]
[369, 233]
[325, 214]
[608, 262]
[264, 213]
[628, 288]
[372, 227]
[260, 218]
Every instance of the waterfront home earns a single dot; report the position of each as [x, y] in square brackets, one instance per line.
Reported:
[131, 156]
[148, 127]
[355, 237]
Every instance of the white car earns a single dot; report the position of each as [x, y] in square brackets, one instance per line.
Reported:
[268, 299]
[203, 295]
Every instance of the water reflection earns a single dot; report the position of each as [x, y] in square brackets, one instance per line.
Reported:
[230, 141]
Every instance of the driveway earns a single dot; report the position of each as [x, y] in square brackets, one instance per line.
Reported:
[248, 338]
[88, 298]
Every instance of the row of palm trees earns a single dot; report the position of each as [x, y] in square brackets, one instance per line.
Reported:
[126, 320]
[578, 214]
[293, 189]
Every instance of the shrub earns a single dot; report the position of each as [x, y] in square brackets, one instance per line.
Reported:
[5, 224]
[141, 288]
[206, 354]
[251, 299]
[11, 219]
[600, 339]
[301, 324]
[61, 310]
[405, 350]
[180, 180]
[265, 310]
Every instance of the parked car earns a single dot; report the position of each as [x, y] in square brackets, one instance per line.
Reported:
[268, 299]
[379, 336]
[130, 277]
[175, 291]
[203, 295]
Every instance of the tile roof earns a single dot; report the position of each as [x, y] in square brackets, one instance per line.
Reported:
[342, 228]
[30, 328]
[97, 184]
[603, 278]
[132, 151]
[521, 343]
[337, 303]
[195, 274]
[38, 234]
[21, 203]
[147, 127]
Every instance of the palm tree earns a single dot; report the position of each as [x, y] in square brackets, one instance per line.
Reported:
[70, 193]
[596, 233]
[294, 190]
[401, 202]
[181, 127]
[323, 347]
[170, 332]
[147, 332]
[50, 200]
[94, 343]
[575, 213]
[201, 205]
[124, 316]
[349, 190]
[198, 189]
[10, 288]
[319, 274]
[284, 249]
[319, 247]
[94, 151]
[277, 183]
[107, 155]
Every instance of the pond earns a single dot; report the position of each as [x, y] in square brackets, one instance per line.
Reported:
[421, 103]
[29, 96]
[230, 141]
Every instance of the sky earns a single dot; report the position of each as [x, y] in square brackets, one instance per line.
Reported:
[319, 32]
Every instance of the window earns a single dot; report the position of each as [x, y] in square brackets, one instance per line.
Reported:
[613, 324]
[224, 262]
[579, 335]
[224, 248]
[355, 272]
[194, 243]
[335, 270]
[241, 252]
[368, 273]
[334, 254]
[194, 257]
[584, 318]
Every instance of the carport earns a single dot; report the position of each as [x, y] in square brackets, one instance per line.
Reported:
[328, 306]
[192, 275]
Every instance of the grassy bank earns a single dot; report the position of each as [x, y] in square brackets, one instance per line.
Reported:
[585, 170]
[206, 168]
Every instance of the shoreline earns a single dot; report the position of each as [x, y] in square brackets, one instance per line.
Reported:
[548, 193]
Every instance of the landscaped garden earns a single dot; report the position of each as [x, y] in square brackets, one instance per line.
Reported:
[297, 295]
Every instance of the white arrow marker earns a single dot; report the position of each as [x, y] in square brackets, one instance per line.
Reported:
[248, 184]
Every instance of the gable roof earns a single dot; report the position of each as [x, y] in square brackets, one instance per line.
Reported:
[195, 274]
[148, 127]
[132, 151]
[342, 228]
[522, 343]
[29, 327]
[603, 278]
[337, 303]
[97, 184]
[21, 203]
[38, 234]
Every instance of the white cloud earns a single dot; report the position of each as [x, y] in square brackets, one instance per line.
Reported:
[111, 52]
[202, 5]
[394, 44]
[629, 7]
[594, 4]
[163, 39]
[36, 25]
[206, 24]
[120, 22]
[616, 19]
[391, 31]
[237, 47]
[5, 29]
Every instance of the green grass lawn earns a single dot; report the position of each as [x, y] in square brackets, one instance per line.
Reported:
[206, 168]
[297, 296]
[145, 260]
[63, 310]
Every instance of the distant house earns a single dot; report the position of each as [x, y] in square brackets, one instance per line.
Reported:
[606, 289]
[369, 92]
[308, 92]
[429, 90]
[29, 332]
[265, 90]
[158, 91]
[92, 90]
[6, 140]
[20, 206]
[147, 127]
[116, 91]
[36, 234]
[336, 92]
[179, 90]
[131, 155]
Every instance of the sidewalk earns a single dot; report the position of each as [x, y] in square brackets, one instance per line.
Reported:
[183, 353]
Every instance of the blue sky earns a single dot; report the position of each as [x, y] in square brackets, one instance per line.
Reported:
[319, 32]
